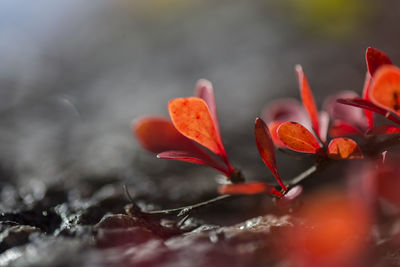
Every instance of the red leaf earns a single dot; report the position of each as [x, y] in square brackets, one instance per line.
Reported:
[192, 118]
[192, 158]
[158, 134]
[385, 88]
[368, 114]
[365, 104]
[273, 128]
[266, 148]
[341, 128]
[344, 148]
[248, 189]
[375, 59]
[308, 100]
[296, 137]
[384, 129]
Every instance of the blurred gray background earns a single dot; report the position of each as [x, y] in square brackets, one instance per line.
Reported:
[74, 74]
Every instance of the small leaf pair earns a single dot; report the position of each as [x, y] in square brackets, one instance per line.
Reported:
[194, 128]
[265, 147]
[381, 93]
[293, 135]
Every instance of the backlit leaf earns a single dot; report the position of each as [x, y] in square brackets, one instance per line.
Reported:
[308, 100]
[375, 59]
[266, 148]
[344, 148]
[158, 134]
[273, 128]
[365, 104]
[385, 88]
[192, 118]
[192, 158]
[250, 188]
[296, 137]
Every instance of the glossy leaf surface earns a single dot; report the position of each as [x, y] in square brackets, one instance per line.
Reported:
[385, 88]
[375, 59]
[296, 137]
[344, 148]
[308, 100]
[192, 118]
[266, 148]
[250, 188]
[158, 134]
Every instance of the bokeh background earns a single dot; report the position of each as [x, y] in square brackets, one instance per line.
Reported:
[74, 74]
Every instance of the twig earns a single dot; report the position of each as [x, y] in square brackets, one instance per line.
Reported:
[183, 211]
[305, 174]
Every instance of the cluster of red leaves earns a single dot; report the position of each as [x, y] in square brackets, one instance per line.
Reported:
[193, 130]
[381, 95]
[288, 122]
[193, 133]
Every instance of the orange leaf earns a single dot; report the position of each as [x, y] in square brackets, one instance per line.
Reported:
[308, 100]
[385, 89]
[266, 148]
[158, 134]
[248, 189]
[344, 148]
[375, 59]
[296, 137]
[192, 118]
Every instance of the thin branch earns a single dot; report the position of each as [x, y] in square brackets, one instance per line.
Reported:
[182, 211]
[305, 174]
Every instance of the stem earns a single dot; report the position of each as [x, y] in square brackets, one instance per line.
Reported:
[183, 211]
[187, 209]
[299, 178]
